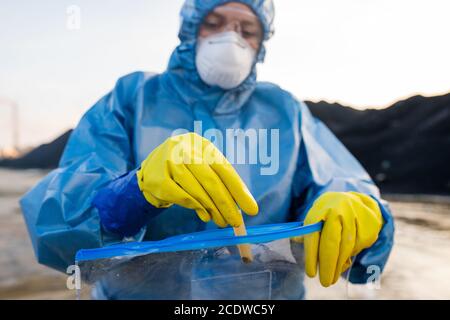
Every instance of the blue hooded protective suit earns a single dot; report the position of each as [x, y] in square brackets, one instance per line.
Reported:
[142, 111]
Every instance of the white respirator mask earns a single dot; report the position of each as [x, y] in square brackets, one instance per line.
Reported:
[224, 59]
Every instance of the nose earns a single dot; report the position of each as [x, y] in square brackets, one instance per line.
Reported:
[234, 26]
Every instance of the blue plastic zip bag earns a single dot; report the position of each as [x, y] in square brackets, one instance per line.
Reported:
[203, 265]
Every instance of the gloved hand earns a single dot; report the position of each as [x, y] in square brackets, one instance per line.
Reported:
[188, 170]
[352, 222]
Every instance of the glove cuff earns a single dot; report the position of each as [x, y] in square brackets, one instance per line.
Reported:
[122, 207]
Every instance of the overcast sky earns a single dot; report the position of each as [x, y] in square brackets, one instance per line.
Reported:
[363, 53]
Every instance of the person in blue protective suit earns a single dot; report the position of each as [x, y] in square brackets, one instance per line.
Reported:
[118, 181]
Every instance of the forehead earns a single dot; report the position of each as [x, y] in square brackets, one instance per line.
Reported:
[236, 10]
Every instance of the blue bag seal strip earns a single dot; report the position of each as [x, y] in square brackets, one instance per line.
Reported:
[201, 240]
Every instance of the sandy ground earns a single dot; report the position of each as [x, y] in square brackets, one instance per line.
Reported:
[417, 269]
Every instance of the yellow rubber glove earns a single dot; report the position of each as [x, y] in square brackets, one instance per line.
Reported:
[188, 170]
[352, 222]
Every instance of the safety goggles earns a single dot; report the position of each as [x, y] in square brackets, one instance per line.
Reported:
[229, 18]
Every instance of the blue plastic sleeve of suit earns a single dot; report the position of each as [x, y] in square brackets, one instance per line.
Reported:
[122, 208]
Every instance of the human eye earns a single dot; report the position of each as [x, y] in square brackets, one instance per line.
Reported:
[249, 34]
[251, 31]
